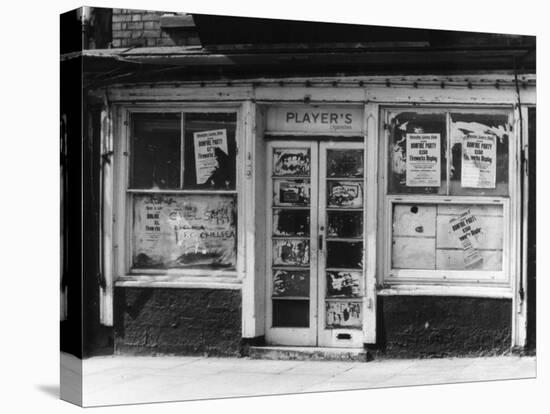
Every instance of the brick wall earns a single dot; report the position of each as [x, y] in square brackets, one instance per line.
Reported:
[428, 326]
[143, 28]
[177, 321]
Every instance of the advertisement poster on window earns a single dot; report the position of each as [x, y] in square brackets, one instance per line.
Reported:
[478, 161]
[208, 145]
[179, 232]
[466, 228]
[423, 160]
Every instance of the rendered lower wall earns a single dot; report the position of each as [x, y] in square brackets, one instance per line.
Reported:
[426, 326]
[177, 321]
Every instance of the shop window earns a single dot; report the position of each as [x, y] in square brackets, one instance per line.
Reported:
[447, 195]
[183, 191]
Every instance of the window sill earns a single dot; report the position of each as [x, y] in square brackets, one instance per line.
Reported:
[495, 292]
[180, 281]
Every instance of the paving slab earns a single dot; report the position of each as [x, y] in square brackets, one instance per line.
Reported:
[123, 379]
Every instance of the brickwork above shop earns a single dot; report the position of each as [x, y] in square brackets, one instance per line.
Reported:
[145, 28]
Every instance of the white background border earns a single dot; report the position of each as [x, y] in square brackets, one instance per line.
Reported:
[30, 215]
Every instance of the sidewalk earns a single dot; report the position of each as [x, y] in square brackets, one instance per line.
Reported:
[129, 379]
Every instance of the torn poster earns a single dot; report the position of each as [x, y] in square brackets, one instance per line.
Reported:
[423, 160]
[343, 314]
[206, 143]
[466, 228]
[478, 161]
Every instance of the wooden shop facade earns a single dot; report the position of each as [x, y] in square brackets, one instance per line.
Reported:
[312, 185]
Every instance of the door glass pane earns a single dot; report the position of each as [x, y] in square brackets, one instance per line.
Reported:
[346, 255]
[291, 192]
[344, 224]
[290, 313]
[345, 163]
[345, 193]
[291, 283]
[290, 222]
[288, 162]
[343, 314]
[345, 284]
[288, 252]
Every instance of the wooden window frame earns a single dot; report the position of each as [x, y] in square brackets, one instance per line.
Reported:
[125, 275]
[471, 283]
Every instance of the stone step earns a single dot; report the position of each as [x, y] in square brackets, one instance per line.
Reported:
[305, 353]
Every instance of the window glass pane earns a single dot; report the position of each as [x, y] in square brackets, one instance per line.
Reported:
[210, 151]
[479, 154]
[417, 153]
[156, 150]
[447, 237]
[192, 231]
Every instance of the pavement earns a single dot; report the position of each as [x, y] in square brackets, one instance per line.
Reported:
[112, 380]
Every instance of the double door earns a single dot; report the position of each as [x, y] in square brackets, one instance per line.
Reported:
[315, 247]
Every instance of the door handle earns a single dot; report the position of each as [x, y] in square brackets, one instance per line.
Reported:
[320, 242]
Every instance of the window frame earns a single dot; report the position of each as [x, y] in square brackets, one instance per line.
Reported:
[444, 282]
[124, 194]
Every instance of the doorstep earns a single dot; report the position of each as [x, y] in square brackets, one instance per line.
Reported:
[306, 353]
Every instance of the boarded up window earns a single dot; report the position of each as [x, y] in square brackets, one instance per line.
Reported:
[447, 237]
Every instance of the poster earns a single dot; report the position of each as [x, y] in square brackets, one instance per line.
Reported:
[206, 143]
[343, 315]
[184, 231]
[290, 252]
[466, 229]
[423, 160]
[343, 284]
[478, 161]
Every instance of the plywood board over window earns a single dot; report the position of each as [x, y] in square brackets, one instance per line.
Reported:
[446, 197]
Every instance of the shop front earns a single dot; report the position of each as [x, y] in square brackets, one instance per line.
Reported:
[385, 213]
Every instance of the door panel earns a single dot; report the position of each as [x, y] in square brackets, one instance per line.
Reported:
[341, 251]
[291, 314]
